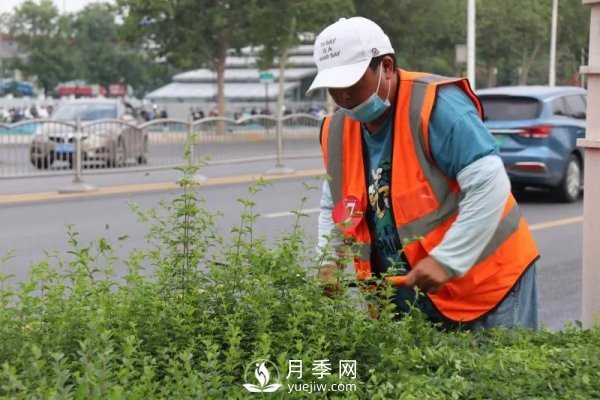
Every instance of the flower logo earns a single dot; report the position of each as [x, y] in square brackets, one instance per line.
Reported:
[263, 376]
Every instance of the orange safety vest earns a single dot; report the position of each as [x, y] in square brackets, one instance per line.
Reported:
[424, 201]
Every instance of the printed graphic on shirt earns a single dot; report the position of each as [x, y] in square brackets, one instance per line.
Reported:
[379, 193]
[387, 243]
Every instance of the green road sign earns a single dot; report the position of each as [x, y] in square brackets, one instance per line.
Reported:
[266, 77]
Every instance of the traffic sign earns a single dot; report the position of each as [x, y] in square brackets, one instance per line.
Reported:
[266, 77]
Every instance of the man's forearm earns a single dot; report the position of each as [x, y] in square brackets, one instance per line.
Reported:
[328, 241]
[486, 187]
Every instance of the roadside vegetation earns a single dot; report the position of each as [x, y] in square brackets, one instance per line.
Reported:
[190, 324]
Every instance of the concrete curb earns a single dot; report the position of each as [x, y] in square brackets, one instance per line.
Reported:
[152, 187]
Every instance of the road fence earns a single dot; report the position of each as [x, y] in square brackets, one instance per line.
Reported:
[46, 147]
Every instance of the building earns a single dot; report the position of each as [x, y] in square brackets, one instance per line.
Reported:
[244, 89]
[9, 49]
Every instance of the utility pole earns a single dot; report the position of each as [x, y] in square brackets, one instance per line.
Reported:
[581, 75]
[552, 72]
[1, 61]
[590, 276]
[471, 42]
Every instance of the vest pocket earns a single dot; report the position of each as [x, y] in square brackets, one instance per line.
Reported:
[414, 203]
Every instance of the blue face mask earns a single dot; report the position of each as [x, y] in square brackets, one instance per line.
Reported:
[370, 109]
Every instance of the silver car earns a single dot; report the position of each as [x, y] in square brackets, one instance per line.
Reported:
[110, 141]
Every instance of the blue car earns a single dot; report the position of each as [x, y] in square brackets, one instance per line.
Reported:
[537, 128]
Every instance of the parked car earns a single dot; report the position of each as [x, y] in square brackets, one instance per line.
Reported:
[111, 141]
[537, 128]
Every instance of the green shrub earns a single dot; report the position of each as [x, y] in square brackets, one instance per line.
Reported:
[191, 325]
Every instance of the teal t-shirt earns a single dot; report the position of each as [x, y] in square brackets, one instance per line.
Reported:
[457, 137]
[378, 153]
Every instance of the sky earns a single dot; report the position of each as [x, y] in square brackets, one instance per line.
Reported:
[63, 5]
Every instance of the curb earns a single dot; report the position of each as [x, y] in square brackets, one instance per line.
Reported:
[152, 187]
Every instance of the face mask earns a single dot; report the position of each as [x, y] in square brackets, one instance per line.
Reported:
[370, 109]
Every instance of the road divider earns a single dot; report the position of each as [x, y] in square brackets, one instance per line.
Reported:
[152, 187]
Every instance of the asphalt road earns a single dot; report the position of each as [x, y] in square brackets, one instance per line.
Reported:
[31, 229]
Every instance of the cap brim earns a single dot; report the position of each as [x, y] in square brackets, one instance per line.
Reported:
[339, 77]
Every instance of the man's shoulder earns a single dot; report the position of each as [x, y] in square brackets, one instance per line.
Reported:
[452, 92]
[452, 101]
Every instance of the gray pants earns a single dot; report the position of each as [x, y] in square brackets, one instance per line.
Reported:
[518, 309]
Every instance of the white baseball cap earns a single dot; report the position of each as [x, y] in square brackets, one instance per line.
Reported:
[344, 50]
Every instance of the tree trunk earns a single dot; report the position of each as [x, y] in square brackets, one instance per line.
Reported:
[219, 63]
[491, 75]
[527, 63]
[281, 95]
[283, 55]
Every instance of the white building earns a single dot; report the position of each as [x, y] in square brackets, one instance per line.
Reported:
[243, 87]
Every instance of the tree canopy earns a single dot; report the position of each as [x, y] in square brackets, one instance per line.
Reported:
[85, 45]
[276, 26]
[140, 42]
[44, 33]
[190, 33]
[513, 36]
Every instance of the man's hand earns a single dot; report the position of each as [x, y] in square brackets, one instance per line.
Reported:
[428, 275]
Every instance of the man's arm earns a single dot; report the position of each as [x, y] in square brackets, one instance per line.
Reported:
[465, 150]
[486, 187]
[328, 241]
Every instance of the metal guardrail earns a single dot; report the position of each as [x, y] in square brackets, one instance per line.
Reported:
[46, 147]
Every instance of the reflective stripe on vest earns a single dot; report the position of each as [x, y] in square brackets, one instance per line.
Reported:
[447, 198]
[334, 156]
[507, 226]
[332, 143]
[449, 201]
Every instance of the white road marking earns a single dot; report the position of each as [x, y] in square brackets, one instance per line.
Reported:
[533, 227]
[288, 213]
[555, 223]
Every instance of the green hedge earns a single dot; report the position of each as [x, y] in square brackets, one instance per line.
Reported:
[192, 327]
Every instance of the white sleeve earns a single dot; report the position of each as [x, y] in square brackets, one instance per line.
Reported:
[327, 241]
[486, 187]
